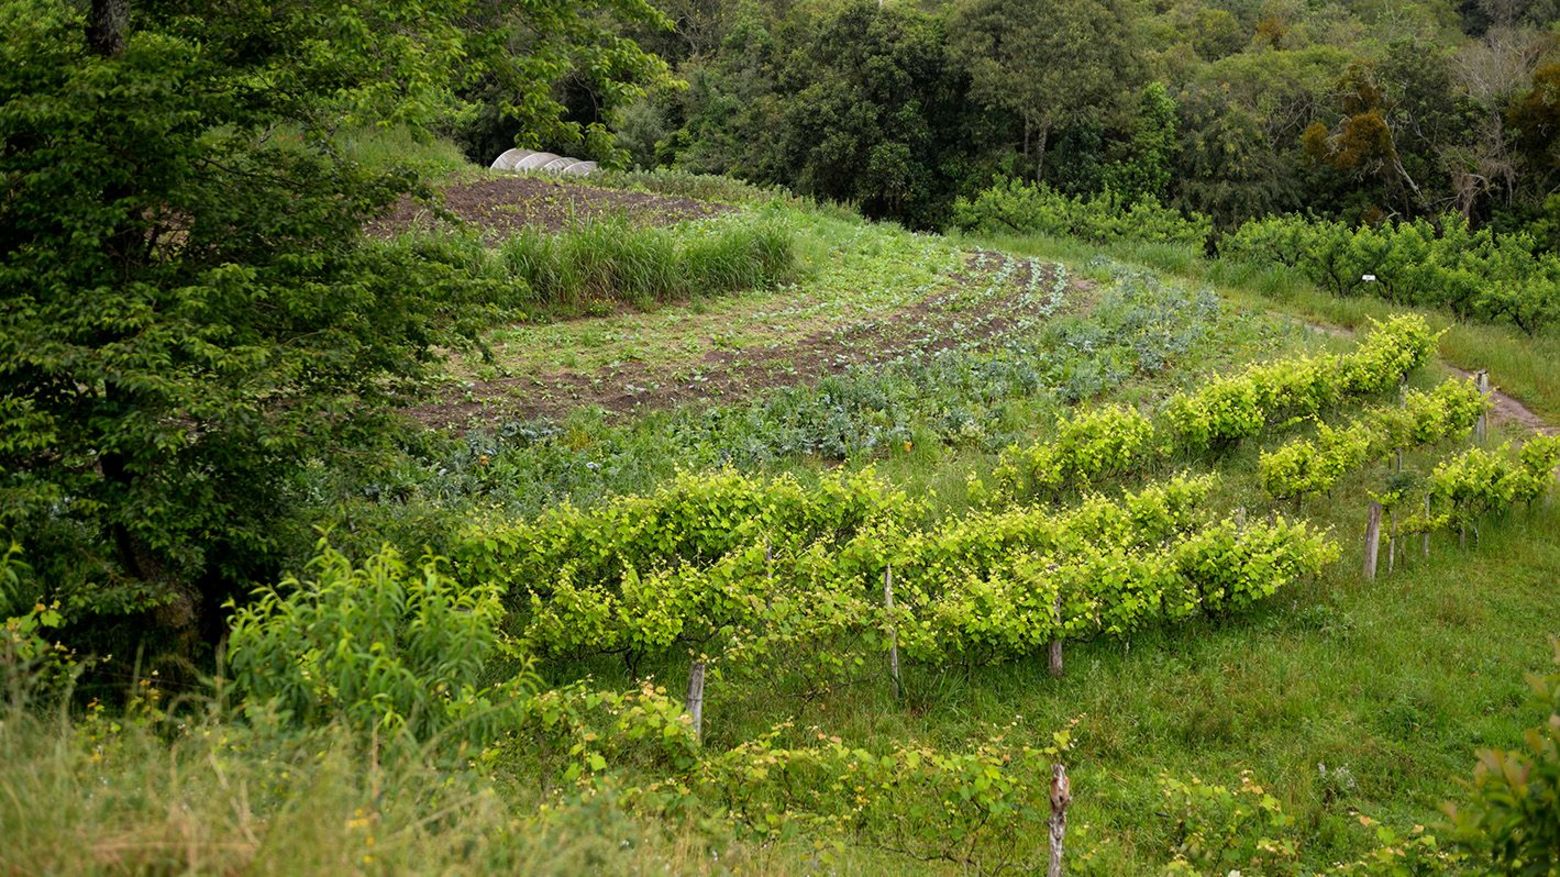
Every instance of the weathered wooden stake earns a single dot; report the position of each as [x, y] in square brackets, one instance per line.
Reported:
[695, 701]
[893, 632]
[1372, 540]
[1392, 541]
[1424, 538]
[1061, 797]
[1482, 378]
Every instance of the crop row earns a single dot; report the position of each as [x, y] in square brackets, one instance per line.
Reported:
[1444, 263]
[987, 585]
[1112, 441]
[1314, 465]
[1470, 485]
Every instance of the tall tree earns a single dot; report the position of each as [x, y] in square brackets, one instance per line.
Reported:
[872, 111]
[189, 313]
[1048, 63]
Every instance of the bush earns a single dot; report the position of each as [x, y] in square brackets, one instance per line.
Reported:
[1476, 274]
[1512, 821]
[382, 645]
[1024, 208]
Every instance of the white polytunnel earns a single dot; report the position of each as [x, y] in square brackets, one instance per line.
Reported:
[547, 162]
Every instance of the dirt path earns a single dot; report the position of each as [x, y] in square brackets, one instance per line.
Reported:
[1504, 408]
[1508, 409]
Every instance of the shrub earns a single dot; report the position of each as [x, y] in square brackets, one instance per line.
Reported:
[382, 645]
[1476, 274]
[1025, 208]
[1512, 821]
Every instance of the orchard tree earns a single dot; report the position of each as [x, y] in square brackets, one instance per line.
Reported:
[1049, 63]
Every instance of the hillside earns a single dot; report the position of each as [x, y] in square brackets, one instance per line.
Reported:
[634, 480]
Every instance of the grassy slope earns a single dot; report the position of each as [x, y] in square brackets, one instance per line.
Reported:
[1397, 681]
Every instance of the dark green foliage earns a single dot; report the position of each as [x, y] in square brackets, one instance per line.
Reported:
[549, 74]
[1048, 64]
[1232, 113]
[186, 316]
[873, 108]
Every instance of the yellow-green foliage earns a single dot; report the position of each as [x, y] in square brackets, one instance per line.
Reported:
[1113, 441]
[1479, 482]
[1306, 466]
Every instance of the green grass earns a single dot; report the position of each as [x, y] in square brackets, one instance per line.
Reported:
[846, 271]
[212, 795]
[400, 147]
[612, 261]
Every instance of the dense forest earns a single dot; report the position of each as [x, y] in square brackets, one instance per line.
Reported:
[1362, 111]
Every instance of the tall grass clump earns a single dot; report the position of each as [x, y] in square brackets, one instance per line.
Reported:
[611, 260]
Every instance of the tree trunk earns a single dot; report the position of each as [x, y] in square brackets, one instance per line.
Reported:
[107, 25]
[1045, 134]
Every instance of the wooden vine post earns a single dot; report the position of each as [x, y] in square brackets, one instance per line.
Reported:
[893, 632]
[1480, 429]
[1392, 523]
[1424, 538]
[1056, 641]
[1061, 797]
[695, 701]
[1372, 540]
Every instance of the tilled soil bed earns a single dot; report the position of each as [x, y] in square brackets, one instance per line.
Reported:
[502, 206]
[973, 309]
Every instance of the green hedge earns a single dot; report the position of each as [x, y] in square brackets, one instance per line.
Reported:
[1016, 207]
[1477, 274]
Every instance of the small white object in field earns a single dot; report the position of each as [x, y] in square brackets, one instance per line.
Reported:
[1368, 278]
